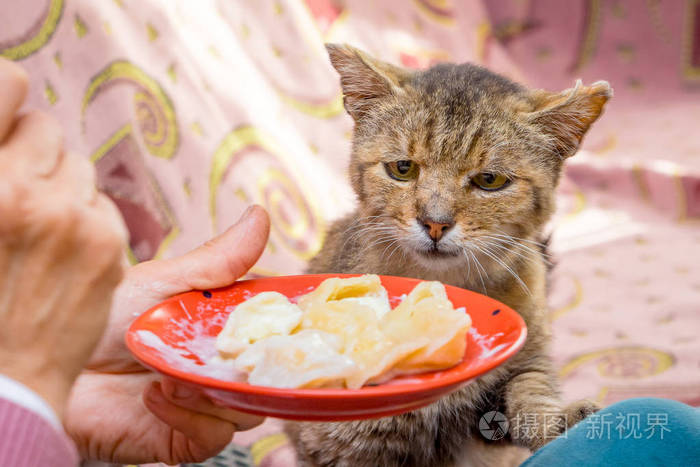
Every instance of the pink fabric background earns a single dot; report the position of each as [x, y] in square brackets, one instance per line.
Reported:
[192, 110]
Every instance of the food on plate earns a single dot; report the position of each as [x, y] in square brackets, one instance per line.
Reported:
[266, 314]
[366, 290]
[308, 358]
[357, 324]
[427, 315]
[344, 334]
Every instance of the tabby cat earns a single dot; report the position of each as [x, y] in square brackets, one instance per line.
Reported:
[455, 170]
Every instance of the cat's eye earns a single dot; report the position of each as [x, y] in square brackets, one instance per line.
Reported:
[490, 182]
[402, 171]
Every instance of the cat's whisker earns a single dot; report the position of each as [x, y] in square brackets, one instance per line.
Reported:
[367, 229]
[355, 229]
[525, 257]
[378, 242]
[378, 239]
[510, 248]
[480, 268]
[468, 277]
[360, 222]
[364, 221]
[485, 250]
[469, 266]
[397, 247]
[477, 266]
[517, 242]
[393, 240]
[526, 240]
[515, 246]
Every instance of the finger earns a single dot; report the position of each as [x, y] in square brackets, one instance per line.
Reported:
[112, 215]
[195, 401]
[209, 433]
[76, 174]
[105, 240]
[217, 263]
[36, 143]
[13, 89]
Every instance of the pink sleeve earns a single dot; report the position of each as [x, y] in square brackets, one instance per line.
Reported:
[27, 440]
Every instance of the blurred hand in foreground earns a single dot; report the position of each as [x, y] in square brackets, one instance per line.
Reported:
[62, 250]
[119, 411]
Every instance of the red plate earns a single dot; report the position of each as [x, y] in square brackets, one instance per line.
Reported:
[177, 337]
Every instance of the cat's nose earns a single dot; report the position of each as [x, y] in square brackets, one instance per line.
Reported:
[436, 228]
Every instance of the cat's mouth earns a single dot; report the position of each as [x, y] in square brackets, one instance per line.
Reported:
[437, 257]
[437, 252]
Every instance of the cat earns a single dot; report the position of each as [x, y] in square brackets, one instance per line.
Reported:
[455, 170]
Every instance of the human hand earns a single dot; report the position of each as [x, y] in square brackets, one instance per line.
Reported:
[61, 250]
[119, 412]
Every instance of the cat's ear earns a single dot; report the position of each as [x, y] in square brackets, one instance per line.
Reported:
[566, 116]
[364, 79]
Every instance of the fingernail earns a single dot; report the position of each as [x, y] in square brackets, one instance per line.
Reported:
[182, 392]
[247, 212]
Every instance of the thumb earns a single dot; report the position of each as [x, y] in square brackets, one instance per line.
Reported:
[216, 263]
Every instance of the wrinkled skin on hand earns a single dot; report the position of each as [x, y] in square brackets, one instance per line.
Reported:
[61, 250]
[119, 411]
[61, 256]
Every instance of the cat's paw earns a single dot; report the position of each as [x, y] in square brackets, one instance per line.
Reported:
[577, 411]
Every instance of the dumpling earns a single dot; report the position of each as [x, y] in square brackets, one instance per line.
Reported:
[427, 314]
[308, 358]
[361, 338]
[266, 314]
[344, 334]
[363, 290]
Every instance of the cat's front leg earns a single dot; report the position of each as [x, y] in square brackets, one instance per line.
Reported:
[534, 410]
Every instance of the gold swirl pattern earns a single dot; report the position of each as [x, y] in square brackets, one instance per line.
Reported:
[623, 362]
[691, 66]
[653, 6]
[419, 58]
[156, 122]
[266, 445]
[324, 19]
[112, 141]
[579, 205]
[296, 222]
[36, 37]
[336, 25]
[155, 113]
[678, 185]
[319, 110]
[573, 303]
[639, 177]
[439, 11]
[483, 33]
[327, 17]
[592, 21]
[111, 147]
